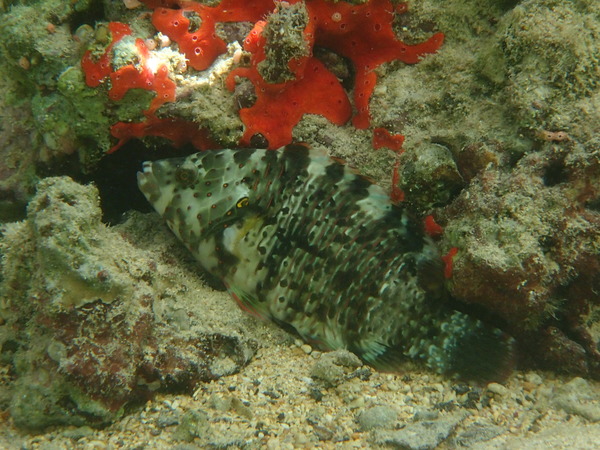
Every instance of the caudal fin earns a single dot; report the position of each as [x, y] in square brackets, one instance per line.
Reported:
[473, 350]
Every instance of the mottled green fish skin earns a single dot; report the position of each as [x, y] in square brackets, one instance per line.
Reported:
[305, 241]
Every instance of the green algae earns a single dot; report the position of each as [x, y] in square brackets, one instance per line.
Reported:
[86, 107]
[41, 52]
[39, 32]
[41, 399]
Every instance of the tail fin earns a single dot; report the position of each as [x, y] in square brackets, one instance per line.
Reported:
[472, 350]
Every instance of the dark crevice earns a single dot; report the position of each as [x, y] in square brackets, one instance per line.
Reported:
[115, 176]
[91, 15]
[555, 173]
[593, 205]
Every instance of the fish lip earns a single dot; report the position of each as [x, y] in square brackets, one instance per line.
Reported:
[147, 181]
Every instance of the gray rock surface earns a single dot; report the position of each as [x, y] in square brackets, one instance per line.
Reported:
[423, 435]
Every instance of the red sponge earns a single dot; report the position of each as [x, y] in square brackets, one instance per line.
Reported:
[96, 71]
[363, 33]
[279, 107]
[202, 45]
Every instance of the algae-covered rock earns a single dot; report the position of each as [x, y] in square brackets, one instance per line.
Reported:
[17, 170]
[193, 424]
[550, 53]
[429, 177]
[528, 242]
[63, 220]
[513, 96]
[285, 38]
[335, 367]
[37, 40]
[39, 44]
[96, 318]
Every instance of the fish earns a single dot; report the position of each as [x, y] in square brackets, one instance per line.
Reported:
[304, 240]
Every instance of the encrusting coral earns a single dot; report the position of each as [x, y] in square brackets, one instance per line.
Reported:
[529, 253]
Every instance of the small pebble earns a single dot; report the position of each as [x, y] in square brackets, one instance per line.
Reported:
[334, 367]
[78, 433]
[95, 445]
[238, 406]
[425, 414]
[578, 397]
[377, 417]
[496, 388]
[533, 378]
[306, 349]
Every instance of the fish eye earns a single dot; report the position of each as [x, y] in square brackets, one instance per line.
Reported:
[242, 202]
[185, 177]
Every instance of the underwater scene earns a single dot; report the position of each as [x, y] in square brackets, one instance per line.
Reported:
[299, 224]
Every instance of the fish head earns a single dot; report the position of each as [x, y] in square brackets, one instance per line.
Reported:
[200, 193]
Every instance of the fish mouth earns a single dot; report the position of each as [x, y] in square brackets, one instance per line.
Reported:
[149, 184]
[146, 179]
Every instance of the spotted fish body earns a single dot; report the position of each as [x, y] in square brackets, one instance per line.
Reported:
[305, 241]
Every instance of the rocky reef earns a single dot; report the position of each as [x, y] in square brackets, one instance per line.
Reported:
[499, 118]
[94, 319]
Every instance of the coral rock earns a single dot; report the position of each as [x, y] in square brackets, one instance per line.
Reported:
[87, 323]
